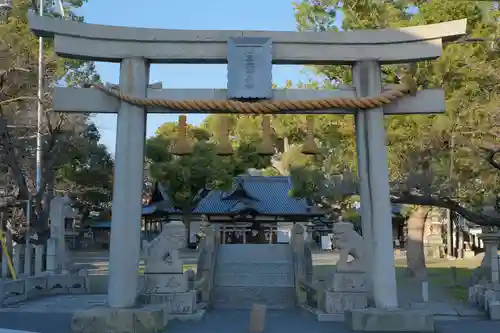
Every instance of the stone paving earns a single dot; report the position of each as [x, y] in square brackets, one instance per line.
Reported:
[53, 314]
[298, 321]
[291, 321]
[59, 304]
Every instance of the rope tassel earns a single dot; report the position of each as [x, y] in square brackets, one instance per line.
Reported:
[224, 147]
[310, 147]
[182, 146]
[266, 145]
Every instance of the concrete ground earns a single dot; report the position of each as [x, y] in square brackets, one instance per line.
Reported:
[300, 321]
[294, 321]
[53, 314]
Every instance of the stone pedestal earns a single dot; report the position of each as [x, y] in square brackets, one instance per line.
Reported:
[346, 291]
[165, 283]
[175, 303]
[145, 319]
[350, 282]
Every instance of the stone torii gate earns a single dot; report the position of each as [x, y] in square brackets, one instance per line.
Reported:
[249, 55]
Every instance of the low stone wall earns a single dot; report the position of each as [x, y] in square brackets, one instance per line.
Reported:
[33, 287]
[487, 297]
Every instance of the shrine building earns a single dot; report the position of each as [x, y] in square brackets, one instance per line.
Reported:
[258, 209]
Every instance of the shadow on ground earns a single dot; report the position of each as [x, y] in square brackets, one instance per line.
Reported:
[299, 321]
[40, 322]
[238, 321]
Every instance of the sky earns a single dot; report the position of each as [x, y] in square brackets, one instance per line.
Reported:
[195, 15]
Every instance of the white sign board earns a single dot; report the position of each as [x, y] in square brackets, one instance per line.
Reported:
[326, 242]
[283, 235]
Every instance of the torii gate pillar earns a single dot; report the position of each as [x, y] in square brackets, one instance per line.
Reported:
[376, 212]
[128, 187]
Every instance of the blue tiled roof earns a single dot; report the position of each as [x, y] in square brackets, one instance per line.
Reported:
[99, 224]
[263, 195]
[149, 209]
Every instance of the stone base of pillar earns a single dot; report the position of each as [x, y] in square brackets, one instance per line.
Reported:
[180, 305]
[383, 320]
[145, 319]
[494, 310]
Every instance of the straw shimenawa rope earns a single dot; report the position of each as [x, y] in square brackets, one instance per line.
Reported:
[270, 107]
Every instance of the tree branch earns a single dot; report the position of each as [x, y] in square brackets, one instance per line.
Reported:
[17, 99]
[472, 216]
[491, 157]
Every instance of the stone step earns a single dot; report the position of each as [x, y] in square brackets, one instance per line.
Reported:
[254, 268]
[255, 280]
[254, 253]
[242, 298]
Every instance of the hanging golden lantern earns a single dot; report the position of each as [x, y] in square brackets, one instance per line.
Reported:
[182, 146]
[224, 147]
[310, 147]
[266, 145]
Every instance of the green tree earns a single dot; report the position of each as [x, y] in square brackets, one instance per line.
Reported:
[433, 160]
[18, 83]
[420, 147]
[88, 174]
[188, 178]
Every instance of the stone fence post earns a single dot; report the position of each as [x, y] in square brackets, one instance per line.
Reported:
[490, 260]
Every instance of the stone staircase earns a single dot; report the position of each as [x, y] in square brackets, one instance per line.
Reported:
[254, 273]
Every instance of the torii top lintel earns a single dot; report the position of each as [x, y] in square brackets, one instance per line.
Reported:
[111, 43]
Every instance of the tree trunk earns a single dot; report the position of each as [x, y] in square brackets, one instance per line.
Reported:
[12, 159]
[415, 245]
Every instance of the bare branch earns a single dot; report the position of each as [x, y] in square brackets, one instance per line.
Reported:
[17, 99]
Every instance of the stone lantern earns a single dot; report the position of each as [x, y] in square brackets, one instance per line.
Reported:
[5, 9]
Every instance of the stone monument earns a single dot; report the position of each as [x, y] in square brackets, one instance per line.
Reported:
[56, 249]
[349, 285]
[164, 280]
[433, 238]
[62, 274]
